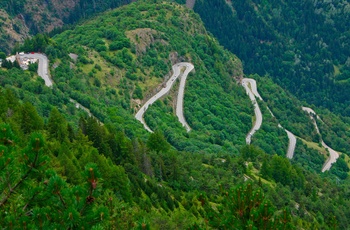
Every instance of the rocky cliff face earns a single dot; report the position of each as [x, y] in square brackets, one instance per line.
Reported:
[12, 30]
[20, 19]
[35, 16]
[44, 16]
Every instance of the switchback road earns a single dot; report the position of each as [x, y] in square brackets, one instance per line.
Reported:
[179, 107]
[333, 155]
[252, 92]
[251, 89]
[247, 83]
[180, 95]
[291, 145]
[43, 72]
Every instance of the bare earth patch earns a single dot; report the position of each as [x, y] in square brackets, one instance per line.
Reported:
[143, 38]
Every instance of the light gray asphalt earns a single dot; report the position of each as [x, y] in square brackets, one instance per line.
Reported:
[251, 89]
[252, 92]
[180, 95]
[333, 155]
[291, 145]
[43, 66]
[176, 73]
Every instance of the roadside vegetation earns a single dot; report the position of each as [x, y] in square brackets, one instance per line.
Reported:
[64, 169]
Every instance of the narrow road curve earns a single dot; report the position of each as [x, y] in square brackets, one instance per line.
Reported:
[291, 145]
[43, 66]
[333, 155]
[252, 92]
[80, 106]
[180, 96]
[179, 107]
[43, 72]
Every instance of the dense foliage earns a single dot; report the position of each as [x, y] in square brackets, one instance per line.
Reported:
[62, 168]
[303, 46]
[12, 7]
[134, 58]
[77, 183]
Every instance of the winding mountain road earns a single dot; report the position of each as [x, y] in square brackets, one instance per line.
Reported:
[179, 106]
[43, 66]
[248, 83]
[333, 155]
[43, 72]
[180, 96]
[80, 106]
[252, 93]
[251, 89]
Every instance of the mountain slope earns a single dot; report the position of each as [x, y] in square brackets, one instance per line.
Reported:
[303, 47]
[157, 42]
[171, 179]
[221, 126]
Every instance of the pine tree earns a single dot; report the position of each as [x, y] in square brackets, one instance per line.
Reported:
[57, 126]
[157, 142]
[244, 208]
[18, 168]
[265, 170]
[29, 119]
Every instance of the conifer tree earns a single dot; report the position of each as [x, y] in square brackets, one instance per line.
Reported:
[265, 170]
[157, 142]
[244, 208]
[57, 126]
[29, 119]
[32, 197]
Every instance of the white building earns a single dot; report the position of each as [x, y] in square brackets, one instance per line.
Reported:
[11, 58]
[23, 62]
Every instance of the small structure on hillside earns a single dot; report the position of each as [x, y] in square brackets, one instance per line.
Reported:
[25, 62]
[11, 58]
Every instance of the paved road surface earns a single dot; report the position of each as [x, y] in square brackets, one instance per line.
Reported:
[333, 155]
[253, 87]
[252, 92]
[176, 73]
[43, 72]
[180, 96]
[80, 106]
[291, 145]
[43, 67]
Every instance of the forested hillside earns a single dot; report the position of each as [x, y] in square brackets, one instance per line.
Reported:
[61, 168]
[302, 46]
